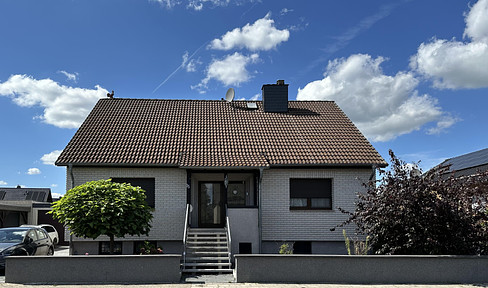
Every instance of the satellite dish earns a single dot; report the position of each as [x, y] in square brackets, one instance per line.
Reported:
[229, 96]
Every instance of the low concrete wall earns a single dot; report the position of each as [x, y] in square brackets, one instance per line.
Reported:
[371, 269]
[126, 269]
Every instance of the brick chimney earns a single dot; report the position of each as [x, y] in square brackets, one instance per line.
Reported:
[275, 97]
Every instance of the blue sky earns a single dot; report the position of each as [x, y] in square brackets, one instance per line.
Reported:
[412, 75]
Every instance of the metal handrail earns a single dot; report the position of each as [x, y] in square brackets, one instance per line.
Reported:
[229, 238]
[185, 232]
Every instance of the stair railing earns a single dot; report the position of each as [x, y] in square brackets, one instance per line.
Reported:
[229, 238]
[185, 231]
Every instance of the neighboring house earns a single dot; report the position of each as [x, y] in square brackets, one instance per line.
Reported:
[467, 164]
[281, 168]
[20, 205]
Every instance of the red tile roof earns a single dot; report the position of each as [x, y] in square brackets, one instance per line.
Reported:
[199, 133]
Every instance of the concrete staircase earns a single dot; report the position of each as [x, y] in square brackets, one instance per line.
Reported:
[207, 251]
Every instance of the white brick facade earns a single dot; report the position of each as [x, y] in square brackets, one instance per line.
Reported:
[170, 194]
[282, 224]
[279, 223]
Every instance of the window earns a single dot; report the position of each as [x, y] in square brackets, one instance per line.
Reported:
[41, 234]
[104, 248]
[310, 194]
[145, 183]
[236, 194]
[48, 229]
[32, 235]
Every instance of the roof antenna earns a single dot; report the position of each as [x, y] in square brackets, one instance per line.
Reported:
[229, 96]
[110, 95]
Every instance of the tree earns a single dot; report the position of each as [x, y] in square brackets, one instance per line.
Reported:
[406, 212]
[104, 208]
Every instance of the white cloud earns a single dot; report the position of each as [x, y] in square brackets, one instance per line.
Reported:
[285, 11]
[167, 3]
[54, 185]
[477, 22]
[198, 5]
[50, 158]
[71, 76]
[64, 107]
[190, 65]
[230, 71]
[33, 171]
[453, 64]
[262, 35]
[56, 195]
[255, 97]
[382, 107]
[441, 126]
[3, 182]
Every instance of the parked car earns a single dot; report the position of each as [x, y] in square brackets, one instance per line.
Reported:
[53, 233]
[24, 241]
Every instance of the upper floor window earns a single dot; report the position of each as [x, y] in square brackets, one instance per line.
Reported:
[310, 194]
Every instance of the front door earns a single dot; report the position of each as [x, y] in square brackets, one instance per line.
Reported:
[211, 200]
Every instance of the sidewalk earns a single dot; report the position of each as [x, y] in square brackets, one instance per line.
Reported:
[246, 285]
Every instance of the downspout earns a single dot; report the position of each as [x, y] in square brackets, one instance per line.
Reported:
[373, 173]
[259, 210]
[70, 173]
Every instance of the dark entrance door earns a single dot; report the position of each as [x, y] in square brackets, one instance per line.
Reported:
[211, 200]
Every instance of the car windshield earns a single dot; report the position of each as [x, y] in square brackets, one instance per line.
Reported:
[12, 236]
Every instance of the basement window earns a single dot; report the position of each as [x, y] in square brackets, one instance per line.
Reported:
[104, 248]
[302, 247]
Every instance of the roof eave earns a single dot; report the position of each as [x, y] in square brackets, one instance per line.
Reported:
[339, 165]
[117, 164]
[225, 167]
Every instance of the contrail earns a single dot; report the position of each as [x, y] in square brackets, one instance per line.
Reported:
[179, 67]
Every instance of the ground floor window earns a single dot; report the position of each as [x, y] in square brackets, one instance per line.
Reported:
[310, 194]
[148, 184]
[236, 194]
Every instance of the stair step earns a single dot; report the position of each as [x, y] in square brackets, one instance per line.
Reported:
[213, 235]
[208, 258]
[207, 242]
[209, 270]
[210, 247]
[206, 229]
[197, 230]
[200, 264]
[200, 253]
[222, 238]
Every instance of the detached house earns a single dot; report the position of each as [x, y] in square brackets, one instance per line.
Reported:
[261, 172]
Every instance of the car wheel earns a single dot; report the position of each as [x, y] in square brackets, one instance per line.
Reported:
[55, 241]
[50, 252]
